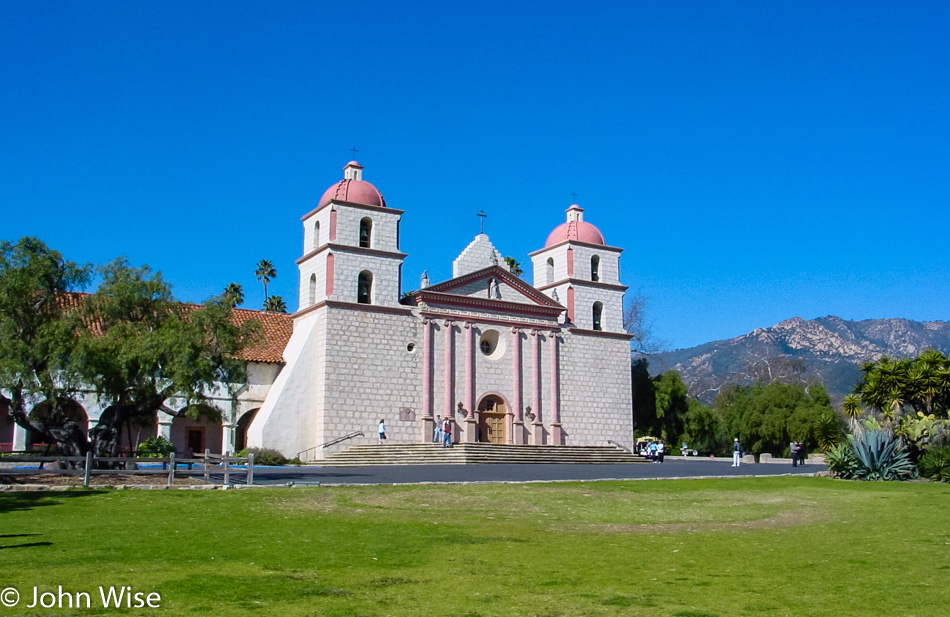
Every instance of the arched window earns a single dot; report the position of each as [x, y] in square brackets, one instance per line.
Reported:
[313, 289]
[598, 312]
[550, 266]
[316, 235]
[595, 268]
[364, 288]
[366, 233]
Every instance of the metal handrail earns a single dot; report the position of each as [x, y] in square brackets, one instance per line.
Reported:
[332, 442]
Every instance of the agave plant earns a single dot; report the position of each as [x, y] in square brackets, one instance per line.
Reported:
[880, 456]
[841, 461]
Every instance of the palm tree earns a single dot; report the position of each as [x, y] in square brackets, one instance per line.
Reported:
[234, 294]
[275, 304]
[265, 273]
[514, 266]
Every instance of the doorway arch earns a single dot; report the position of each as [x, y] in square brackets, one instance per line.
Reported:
[492, 420]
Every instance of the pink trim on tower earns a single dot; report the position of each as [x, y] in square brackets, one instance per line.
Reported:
[332, 237]
[570, 262]
[330, 261]
[570, 305]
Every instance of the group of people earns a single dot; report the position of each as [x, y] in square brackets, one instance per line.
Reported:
[798, 453]
[656, 450]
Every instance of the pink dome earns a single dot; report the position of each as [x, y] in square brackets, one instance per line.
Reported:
[575, 229]
[353, 189]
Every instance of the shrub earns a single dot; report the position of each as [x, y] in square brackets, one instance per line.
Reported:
[264, 456]
[841, 461]
[155, 447]
[935, 464]
[881, 457]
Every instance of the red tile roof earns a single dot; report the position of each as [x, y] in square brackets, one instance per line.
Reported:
[276, 329]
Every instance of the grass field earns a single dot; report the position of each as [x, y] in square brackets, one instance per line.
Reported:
[687, 548]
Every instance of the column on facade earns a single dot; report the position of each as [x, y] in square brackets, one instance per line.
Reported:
[557, 430]
[469, 431]
[517, 435]
[428, 421]
[448, 366]
[537, 426]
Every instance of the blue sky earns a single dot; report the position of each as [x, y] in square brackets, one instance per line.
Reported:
[756, 160]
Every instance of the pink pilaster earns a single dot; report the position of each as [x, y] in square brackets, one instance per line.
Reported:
[332, 234]
[557, 430]
[330, 260]
[428, 422]
[469, 427]
[448, 365]
[537, 426]
[570, 262]
[517, 435]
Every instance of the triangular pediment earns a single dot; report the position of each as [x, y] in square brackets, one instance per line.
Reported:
[493, 289]
[493, 283]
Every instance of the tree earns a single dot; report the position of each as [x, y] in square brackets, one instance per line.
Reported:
[265, 273]
[234, 294]
[703, 430]
[37, 340]
[635, 323]
[660, 403]
[139, 347]
[767, 417]
[275, 304]
[514, 266]
[851, 407]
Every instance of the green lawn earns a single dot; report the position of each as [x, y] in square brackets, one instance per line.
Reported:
[686, 548]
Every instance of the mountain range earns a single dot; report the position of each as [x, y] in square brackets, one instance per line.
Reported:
[828, 350]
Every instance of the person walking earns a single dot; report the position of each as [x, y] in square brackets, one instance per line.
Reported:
[736, 453]
[653, 450]
[446, 432]
[382, 431]
[437, 433]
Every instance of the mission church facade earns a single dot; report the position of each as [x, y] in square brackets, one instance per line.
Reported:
[508, 362]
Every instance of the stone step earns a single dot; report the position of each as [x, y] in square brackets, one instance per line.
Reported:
[468, 454]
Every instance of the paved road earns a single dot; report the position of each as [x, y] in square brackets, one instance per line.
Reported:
[413, 474]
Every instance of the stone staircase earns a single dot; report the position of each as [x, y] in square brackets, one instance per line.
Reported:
[477, 453]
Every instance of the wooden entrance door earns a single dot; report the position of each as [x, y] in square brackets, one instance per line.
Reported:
[195, 438]
[492, 420]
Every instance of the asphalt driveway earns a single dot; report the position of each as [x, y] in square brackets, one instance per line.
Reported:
[417, 474]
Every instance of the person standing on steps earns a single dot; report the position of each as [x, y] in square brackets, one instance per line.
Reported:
[446, 432]
[382, 431]
[736, 453]
[437, 434]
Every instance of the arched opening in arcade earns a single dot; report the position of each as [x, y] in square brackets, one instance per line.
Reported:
[66, 411]
[7, 426]
[240, 433]
[492, 420]
[197, 428]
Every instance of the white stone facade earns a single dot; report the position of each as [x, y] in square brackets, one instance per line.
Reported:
[503, 359]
